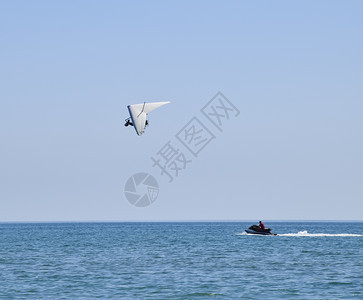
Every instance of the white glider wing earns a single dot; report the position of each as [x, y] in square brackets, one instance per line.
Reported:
[138, 113]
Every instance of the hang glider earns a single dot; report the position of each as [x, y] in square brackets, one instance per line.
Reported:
[138, 114]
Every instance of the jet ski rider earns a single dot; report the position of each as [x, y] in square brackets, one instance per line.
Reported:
[262, 226]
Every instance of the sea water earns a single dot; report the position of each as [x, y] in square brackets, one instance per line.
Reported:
[202, 260]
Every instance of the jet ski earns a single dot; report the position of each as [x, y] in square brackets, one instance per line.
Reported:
[255, 229]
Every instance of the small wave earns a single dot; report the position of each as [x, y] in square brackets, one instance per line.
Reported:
[305, 233]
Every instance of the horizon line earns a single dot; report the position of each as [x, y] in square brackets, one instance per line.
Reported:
[179, 221]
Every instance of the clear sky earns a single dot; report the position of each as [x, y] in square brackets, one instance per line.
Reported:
[294, 70]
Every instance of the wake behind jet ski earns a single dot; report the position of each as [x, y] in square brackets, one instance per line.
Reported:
[259, 229]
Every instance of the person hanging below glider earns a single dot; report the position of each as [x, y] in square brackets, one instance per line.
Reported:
[128, 122]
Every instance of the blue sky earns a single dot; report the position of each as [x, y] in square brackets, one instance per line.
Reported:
[68, 70]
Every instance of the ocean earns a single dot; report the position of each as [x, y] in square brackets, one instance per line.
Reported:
[186, 260]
